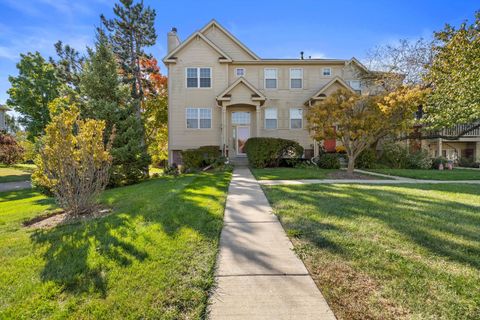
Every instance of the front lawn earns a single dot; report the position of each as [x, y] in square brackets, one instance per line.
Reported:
[388, 252]
[291, 173]
[153, 257]
[15, 173]
[428, 174]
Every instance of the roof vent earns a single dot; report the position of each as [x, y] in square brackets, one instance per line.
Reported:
[301, 55]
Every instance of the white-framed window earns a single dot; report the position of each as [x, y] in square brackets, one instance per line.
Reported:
[199, 77]
[271, 78]
[327, 72]
[240, 117]
[296, 78]
[355, 85]
[296, 118]
[240, 72]
[271, 118]
[199, 118]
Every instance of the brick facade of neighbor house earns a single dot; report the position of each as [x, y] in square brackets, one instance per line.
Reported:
[221, 93]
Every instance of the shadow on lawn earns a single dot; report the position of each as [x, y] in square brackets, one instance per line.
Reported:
[78, 256]
[434, 223]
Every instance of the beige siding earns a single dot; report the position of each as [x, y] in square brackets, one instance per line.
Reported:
[224, 42]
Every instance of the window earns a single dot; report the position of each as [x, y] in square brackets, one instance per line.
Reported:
[199, 118]
[355, 85]
[327, 72]
[270, 118]
[296, 78]
[240, 117]
[240, 72]
[199, 77]
[270, 78]
[296, 118]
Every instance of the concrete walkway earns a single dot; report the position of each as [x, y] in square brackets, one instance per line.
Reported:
[16, 185]
[258, 276]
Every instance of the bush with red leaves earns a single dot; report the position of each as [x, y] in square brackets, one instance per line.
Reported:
[10, 151]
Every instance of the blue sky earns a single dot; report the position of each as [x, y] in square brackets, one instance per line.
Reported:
[272, 29]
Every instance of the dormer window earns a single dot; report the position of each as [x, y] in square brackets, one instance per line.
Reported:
[199, 77]
[240, 72]
[327, 72]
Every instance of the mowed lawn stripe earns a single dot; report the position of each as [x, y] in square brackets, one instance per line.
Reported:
[388, 252]
[153, 257]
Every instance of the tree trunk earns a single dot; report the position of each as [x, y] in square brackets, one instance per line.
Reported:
[351, 164]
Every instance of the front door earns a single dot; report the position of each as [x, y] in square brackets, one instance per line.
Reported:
[243, 133]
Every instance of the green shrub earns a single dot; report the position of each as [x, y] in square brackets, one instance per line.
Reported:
[468, 162]
[437, 161]
[367, 159]
[267, 152]
[394, 156]
[201, 157]
[419, 160]
[328, 161]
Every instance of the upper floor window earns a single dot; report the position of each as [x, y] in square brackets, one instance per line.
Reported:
[240, 72]
[199, 77]
[199, 118]
[355, 85]
[271, 78]
[270, 118]
[296, 78]
[296, 118]
[327, 72]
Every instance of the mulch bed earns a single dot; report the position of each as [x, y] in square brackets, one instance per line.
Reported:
[55, 218]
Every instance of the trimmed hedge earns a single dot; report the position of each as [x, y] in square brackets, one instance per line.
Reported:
[268, 152]
[201, 157]
[328, 161]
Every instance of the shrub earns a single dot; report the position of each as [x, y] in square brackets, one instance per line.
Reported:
[328, 161]
[10, 151]
[73, 162]
[267, 152]
[340, 149]
[201, 157]
[437, 161]
[394, 156]
[367, 159]
[419, 160]
[468, 162]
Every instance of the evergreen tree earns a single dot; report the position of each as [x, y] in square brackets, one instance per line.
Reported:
[106, 98]
[130, 32]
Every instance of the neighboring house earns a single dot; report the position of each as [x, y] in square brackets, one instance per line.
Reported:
[467, 146]
[3, 116]
[221, 93]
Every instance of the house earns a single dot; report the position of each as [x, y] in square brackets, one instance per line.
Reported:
[221, 93]
[3, 116]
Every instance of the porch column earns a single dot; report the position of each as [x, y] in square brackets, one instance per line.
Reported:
[315, 148]
[224, 130]
[439, 147]
[258, 121]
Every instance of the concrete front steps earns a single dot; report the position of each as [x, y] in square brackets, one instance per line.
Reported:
[239, 161]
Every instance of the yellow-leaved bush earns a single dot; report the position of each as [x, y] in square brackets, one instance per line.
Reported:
[73, 161]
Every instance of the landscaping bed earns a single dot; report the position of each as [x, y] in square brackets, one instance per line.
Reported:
[431, 174]
[151, 257]
[388, 252]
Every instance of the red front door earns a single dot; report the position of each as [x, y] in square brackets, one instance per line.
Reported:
[330, 144]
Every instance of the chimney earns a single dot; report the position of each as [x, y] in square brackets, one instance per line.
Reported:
[173, 40]
[301, 55]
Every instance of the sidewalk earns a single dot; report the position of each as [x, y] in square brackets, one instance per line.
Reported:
[258, 276]
[13, 186]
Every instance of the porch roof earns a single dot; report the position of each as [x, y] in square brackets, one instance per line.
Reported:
[256, 95]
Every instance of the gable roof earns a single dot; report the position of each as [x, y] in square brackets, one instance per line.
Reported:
[256, 95]
[214, 23]
[171, 56]
[358, 63]
[320, 94]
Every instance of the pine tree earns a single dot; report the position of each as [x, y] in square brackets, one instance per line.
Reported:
[106, 98]
[130, 32]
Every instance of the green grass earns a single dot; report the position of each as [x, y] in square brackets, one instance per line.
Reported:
[291, 173]
[19, 172]
[427, 174]
[153, 257]
[388, 252]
